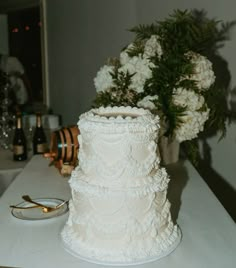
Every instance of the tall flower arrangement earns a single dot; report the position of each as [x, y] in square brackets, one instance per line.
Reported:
[166, 69]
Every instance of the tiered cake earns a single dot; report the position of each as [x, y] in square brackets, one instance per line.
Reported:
[119, 213]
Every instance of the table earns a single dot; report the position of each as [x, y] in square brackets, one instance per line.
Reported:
[9, 169]
[209, 234]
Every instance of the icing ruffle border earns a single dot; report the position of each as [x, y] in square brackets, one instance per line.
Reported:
[150, 184]
[95, 119]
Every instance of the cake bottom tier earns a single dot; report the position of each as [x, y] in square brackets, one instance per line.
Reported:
[161, 247]
[119, 227]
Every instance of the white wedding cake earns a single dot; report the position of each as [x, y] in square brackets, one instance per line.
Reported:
[119, 213]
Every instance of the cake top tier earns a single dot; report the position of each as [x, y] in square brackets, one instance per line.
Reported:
[117, 119]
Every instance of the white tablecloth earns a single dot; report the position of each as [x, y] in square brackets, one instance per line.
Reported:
[209, 234]
[9, 169]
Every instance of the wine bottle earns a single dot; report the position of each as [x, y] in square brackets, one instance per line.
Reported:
[19, 141]
[39, 138]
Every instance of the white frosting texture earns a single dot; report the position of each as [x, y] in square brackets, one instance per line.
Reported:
[118, 211]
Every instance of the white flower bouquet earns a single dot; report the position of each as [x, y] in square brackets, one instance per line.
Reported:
[166, 69]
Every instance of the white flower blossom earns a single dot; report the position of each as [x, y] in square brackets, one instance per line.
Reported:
[103, 81]
[152, 47]
[147, 102]
[193, 123]
[193, 120]
[187, 98]
[124, 57]
[140, 68]
[203, 72]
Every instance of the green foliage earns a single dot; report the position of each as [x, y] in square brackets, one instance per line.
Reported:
[219, 113]
[191, 150]
[119, 95]
[187, 30]
[144, 31]
[136, 49]
[181, 32]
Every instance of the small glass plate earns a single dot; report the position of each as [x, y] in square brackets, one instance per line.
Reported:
[37, 213]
